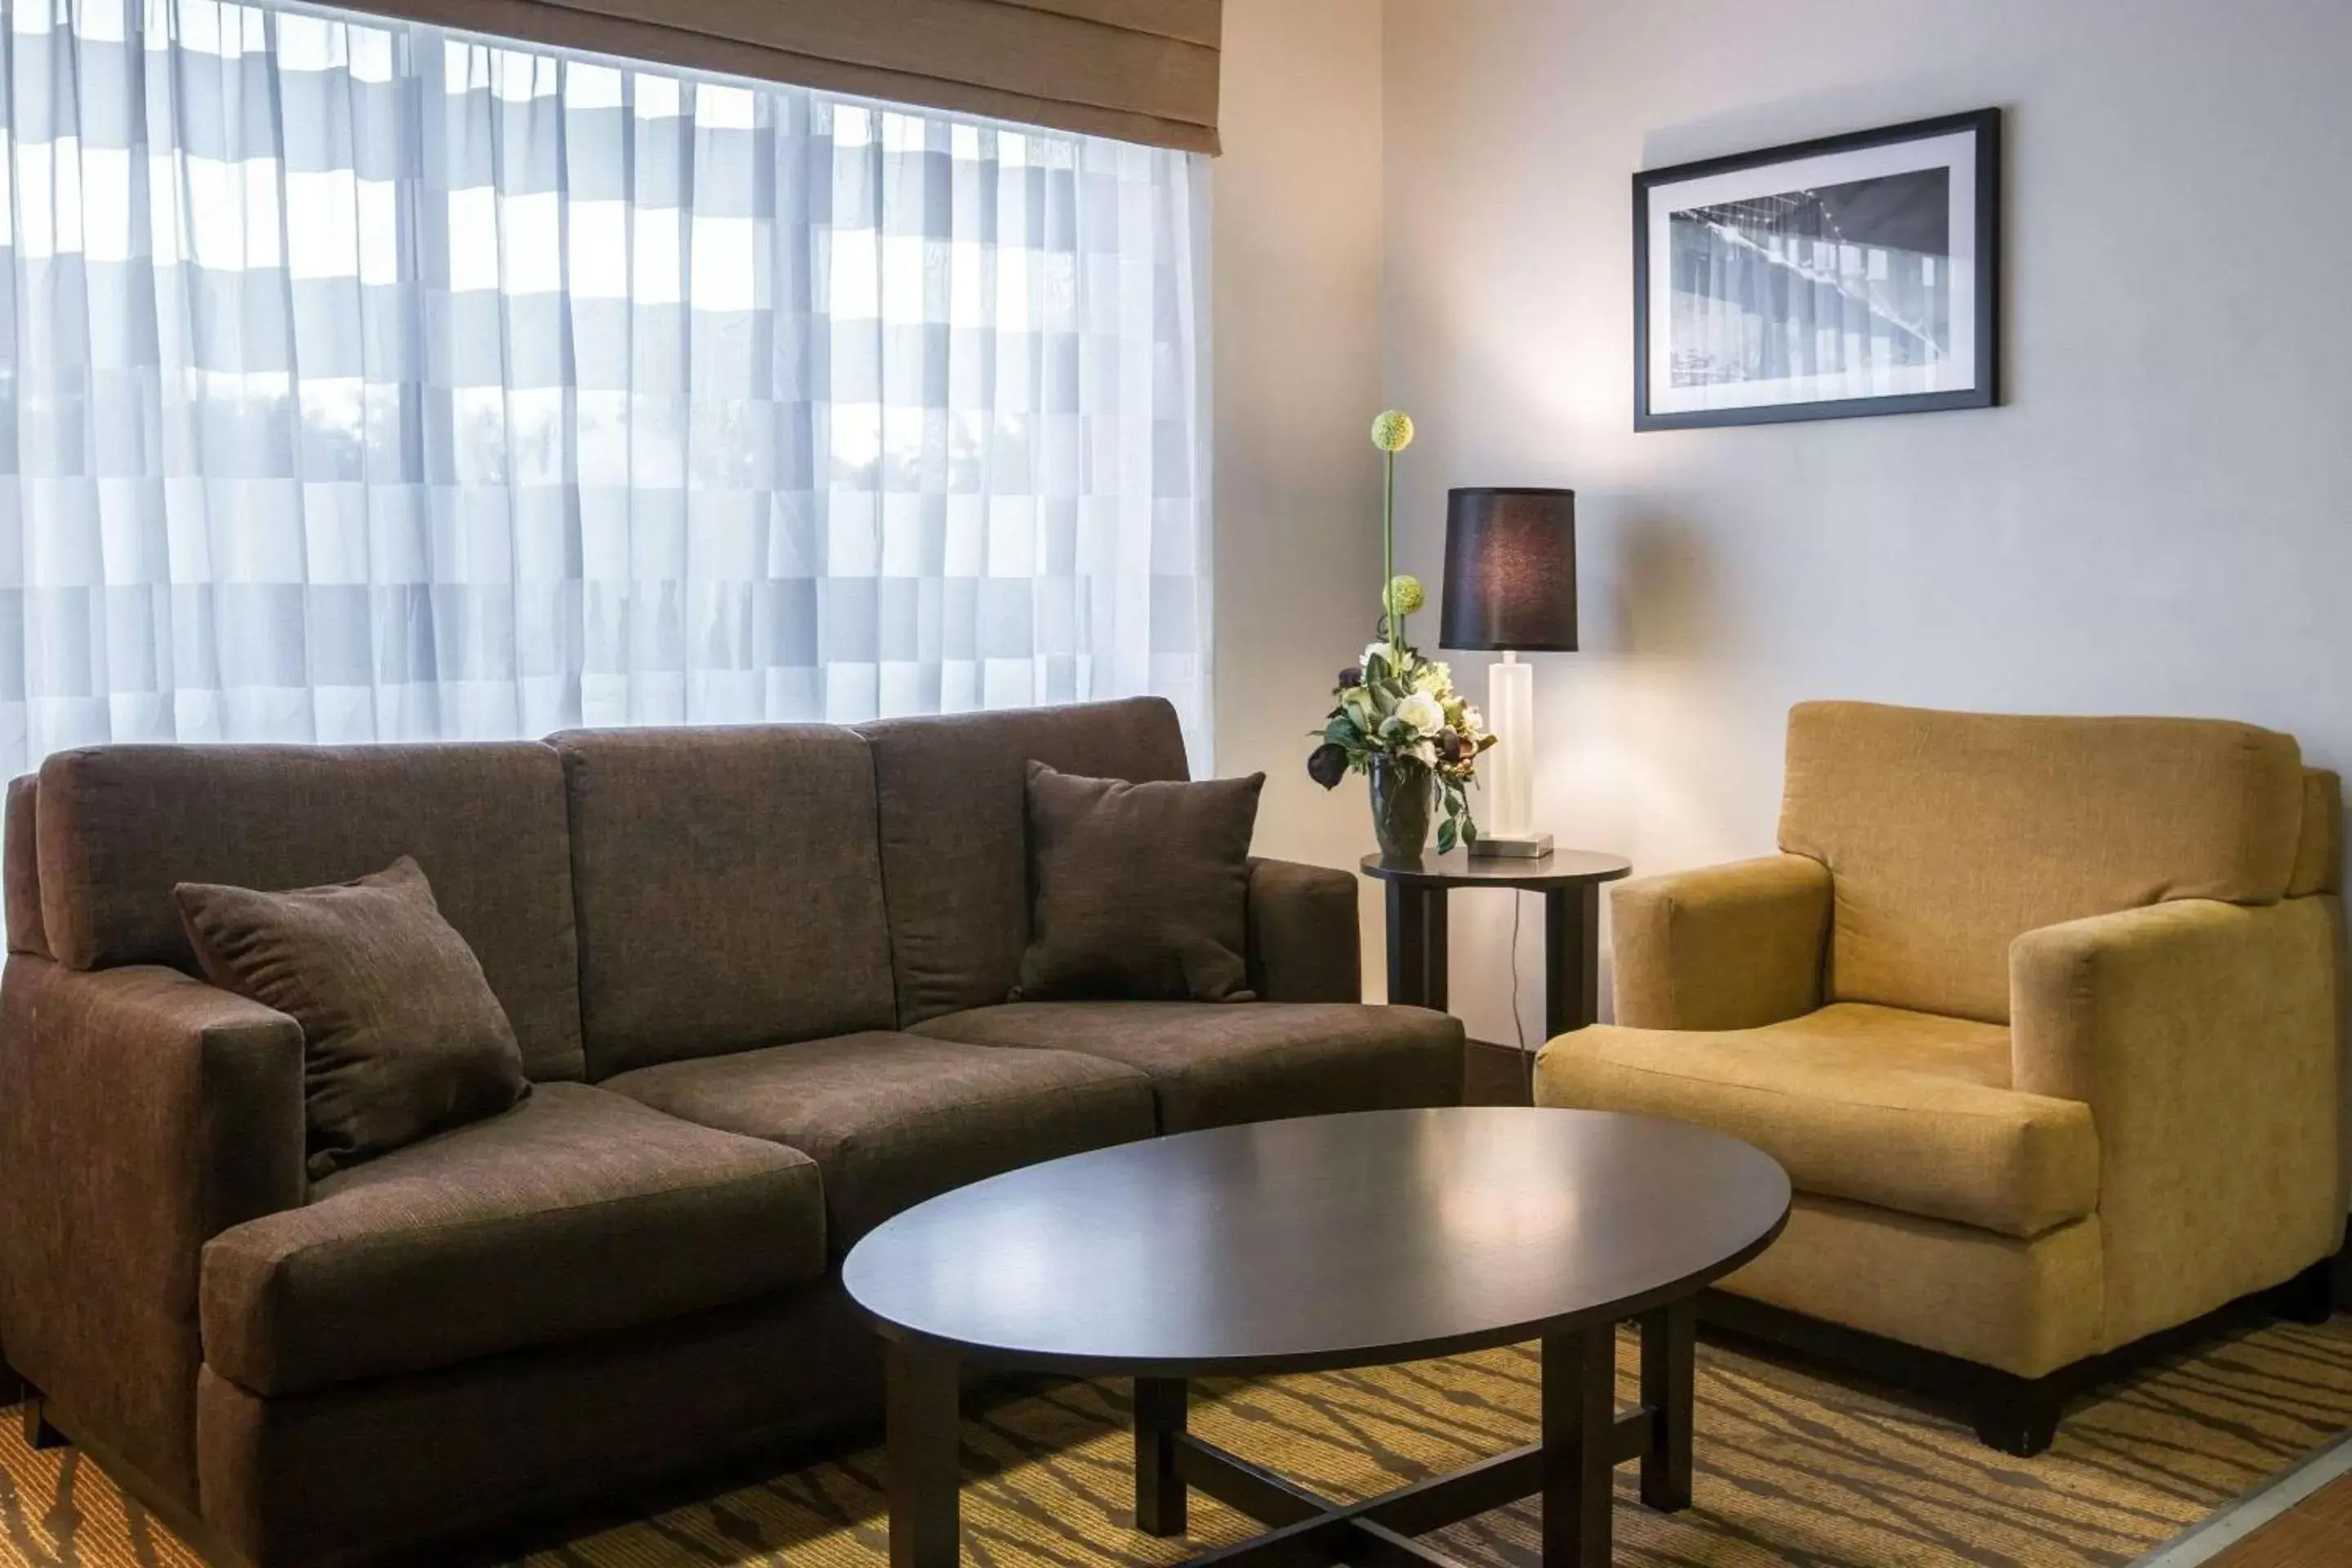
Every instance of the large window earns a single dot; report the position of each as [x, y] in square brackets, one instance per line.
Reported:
[365, 381]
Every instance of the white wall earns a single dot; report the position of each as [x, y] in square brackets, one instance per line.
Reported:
[1296, 324]
[2158, 519]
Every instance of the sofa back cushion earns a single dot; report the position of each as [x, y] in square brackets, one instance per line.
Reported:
[1948, 834]
[952, 792]
[118, 826]
[729, 889]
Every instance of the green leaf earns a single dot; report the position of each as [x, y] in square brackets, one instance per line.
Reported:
[1341, 731]
[1445, 836]
[1469, 829]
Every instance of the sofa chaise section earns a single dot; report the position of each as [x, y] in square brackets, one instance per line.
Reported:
[577, 1213]
[149, 1111]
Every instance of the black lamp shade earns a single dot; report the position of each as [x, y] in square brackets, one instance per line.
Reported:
[1510, 570]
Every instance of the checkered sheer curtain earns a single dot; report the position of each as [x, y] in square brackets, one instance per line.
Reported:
[366, 382]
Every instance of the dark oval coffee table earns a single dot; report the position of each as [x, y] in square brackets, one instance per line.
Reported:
[1329, 1241]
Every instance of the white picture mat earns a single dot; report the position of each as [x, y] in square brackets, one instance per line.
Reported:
[1956, 150]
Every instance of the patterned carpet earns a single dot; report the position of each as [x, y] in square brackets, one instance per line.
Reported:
[1791, 1470]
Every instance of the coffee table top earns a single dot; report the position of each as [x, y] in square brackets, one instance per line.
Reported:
[1325, 1241]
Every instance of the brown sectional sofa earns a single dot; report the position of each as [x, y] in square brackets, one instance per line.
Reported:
[758, 978]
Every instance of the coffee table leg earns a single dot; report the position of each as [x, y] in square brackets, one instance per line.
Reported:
[1580, 1421]
[920, 1463]
[1669, 1379]
[1159, 1420]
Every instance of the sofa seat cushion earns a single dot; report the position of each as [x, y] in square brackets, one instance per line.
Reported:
[1908, 1110]
[894, 1119]
[1212, 1064]
[576, 1212]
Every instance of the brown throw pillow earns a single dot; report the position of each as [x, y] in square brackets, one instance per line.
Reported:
[1141, 889]
[401, 1033]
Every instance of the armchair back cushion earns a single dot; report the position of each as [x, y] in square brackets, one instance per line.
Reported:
[729, 889]
[119, 825]
[1949, 834]
[951, 793]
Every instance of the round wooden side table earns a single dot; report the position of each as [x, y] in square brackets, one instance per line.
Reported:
[1570, 880]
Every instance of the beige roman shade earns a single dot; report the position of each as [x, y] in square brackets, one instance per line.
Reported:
[1141, 71]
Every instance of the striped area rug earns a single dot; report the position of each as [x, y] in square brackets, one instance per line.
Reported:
[1793, 1469]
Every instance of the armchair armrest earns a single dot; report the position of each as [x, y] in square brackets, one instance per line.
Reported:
[2204, 1037]
[1723, 947]
[146, 1112]
[1303, 940]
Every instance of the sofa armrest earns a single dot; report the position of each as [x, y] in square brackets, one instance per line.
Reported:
[2204, 1037]
[1722, 947]
[1303, 940]
[146, 1112]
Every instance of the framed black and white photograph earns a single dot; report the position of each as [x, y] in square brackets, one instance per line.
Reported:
[1857, 274]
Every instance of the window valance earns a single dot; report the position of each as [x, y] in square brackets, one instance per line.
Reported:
[1140, 70]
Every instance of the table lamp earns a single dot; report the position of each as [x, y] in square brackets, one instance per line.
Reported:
[1510, 588]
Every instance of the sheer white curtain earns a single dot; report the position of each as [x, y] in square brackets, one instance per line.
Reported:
[365, 381]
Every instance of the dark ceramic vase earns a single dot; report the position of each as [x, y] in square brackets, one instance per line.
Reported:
[1404, 794]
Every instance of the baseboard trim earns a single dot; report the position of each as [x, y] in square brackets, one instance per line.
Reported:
[2235, 1520]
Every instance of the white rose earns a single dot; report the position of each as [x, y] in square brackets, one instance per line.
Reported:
[1422, 713]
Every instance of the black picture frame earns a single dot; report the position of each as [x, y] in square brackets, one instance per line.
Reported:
[1983, 335]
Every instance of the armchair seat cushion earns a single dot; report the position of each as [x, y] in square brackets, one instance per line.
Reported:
[576, 1212]
[1214, 1063]
[1910, 1111]
[894, 1119]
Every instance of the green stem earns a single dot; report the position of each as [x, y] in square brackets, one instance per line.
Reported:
[1388, 546]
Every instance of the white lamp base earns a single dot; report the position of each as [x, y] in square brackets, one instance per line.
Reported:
[1510, 847]
[1508, 770]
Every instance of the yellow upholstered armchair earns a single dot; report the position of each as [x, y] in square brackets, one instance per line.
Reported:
[2041, 1016]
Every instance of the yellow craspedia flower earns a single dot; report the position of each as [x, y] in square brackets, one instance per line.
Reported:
[1392, 430]
[1405, 592]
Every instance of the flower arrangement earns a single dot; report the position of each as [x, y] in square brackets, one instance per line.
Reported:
[1398, 718]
